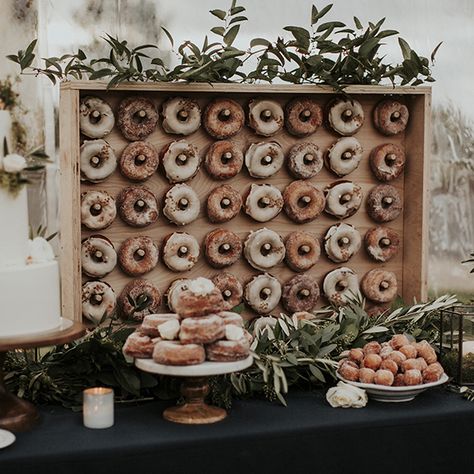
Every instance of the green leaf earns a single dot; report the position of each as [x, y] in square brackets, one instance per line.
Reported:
[405, 47]
[168, 34]
[259, 42]
[221, 14]
[358, 23]
[31, 47]
[237, 19]
[317, 373]
[367, 47]
[100, 73]
[236, 10]
[315, 15]
[218, 30]
[386, 33]
[301, 35]
[433, 53]
[330, 24]
[230, 36]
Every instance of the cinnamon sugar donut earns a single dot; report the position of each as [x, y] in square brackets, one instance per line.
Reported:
[343, 198]
[137, 117]
[300, 293]
[264, 249]
[223, 160]
[139, 298]
[303, 201]
[305, 160]
[139, 161]
[180, 251]
[384, 203]
[151, 323]
[181, 161]
[228, 351]
[182, 204]
[263, 202]
[341, 285]
[264, 159]
[413, 377]
[426, 351]
[344, 156]
[223, 204]
[98, 300]
[175, 353]
[382, 243]
[379, 285]
[265, 117]
[98, 161]
[230, 288]
[223, 118]
[98, 209]
[181, 116]
[137, 206]
[345, 117]
[341, 242]
[433, 373]
[203, 330]
[390, 117]
[387, 161]
[96, 119]
[303, 116]
[138, 346]
[98, 256]
[302, 251]
[262, 293]
[174, 291]
[222, 248]
[138, 255]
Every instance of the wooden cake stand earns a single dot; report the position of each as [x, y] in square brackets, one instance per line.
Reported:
[17, 414]
[194, 388]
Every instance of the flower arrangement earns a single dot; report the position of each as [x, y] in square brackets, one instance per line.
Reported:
[11, 178]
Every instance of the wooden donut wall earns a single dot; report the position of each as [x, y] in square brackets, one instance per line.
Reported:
[409, 265]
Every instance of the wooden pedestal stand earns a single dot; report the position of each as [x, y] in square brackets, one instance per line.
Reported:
[194, 388]
[17, 414]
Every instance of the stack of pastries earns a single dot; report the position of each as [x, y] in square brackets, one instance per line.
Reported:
[199, 330]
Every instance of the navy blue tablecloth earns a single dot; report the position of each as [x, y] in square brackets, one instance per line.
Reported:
[432, 434]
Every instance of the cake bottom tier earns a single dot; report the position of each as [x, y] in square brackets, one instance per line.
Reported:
[29, 299]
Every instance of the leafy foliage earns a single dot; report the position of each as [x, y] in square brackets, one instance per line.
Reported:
[470, 260]
[8, 97]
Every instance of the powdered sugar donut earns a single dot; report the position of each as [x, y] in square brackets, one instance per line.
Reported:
[181, 161]
[387, 161]
[341, 285]
[137, 206]
[138, 255]
[223, 118]
[300, 293]
[303, 201]
[96, 119]
[303, 116]
[224, 160]
[223, 203]
[137, 117]
[139, 298]
[180, 251]
[230, 288]
[98, 209]
[182, 204]
[382, 243]
[341, 242]
[302, 251]
[265, 117]
[98, 161]
[262, 293]
[344, 156]
[264, 249]
[181, 116]
[98, 300]
[202, 330]
[139, 161]
[380, 285]
[305, 160]
[343, 198]
[264, 202]
[384, 203]
[222, 248]
[345, 117]
[98, 256]
[175, 353]
[264, 159]
[390, 117]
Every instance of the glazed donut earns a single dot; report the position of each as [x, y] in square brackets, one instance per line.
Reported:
[343, 198]
[98, 209]
[345, 117]
[382, 243]
[264, 249]
[340, 285]
[303, 201]
[180, 251]
[137, 207]
[152, 322]
[203, 330]
[174, 291]
[96, 119]
[264, 202]
[139, 298]
[384, 203]
[302, 251]
[379, 286]
[138, 346]
[341, 242]
[98, 301]
[300, 293]
[303, 116]
[387, 161]
[264, 159]
[223, 204]
[228, 351]
[230, 288]
[139, 161]
[181, 116]
[305, 160]
[137, 118]
[265, 117]
[138, 255]
[223, 118]
[231, 318]
[262, 293]
[181, 161]
[98, 161]
[344, 156]
[223, 160]
[182, 204]
[175, 353]
[222, 248]
[98, 256]
[390, 117]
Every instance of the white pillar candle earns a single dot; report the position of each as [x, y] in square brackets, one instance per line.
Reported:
[467, 347]
[98, 408]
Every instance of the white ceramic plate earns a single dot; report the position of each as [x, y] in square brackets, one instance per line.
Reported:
[382, 393]
[6, 438]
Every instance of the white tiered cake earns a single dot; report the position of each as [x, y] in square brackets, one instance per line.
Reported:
[29, 274]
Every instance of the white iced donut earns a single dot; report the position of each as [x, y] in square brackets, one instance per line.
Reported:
[181, 116]
[98, 256]
[263, 159]
[341, 285]
[98, 209]
[96, 119]
[182, 204]
[305, 160]
[264, 202]
[344, 156]
[181, 161]
[264, 249]
[265, 117]
[263, 293]
[180, 251]
[98, 161]
[98, 300]
[341, 242]
[345, 116]
[174, 292]
[343, 198]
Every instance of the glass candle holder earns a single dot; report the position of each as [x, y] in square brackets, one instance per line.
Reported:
[98, 408]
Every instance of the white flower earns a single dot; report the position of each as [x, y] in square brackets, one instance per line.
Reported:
[40, 251]
[14, 163]
[346, 396]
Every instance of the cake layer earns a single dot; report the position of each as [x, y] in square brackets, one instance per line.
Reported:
[29, 299]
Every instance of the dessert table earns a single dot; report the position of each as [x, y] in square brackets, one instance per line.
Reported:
[431, 434]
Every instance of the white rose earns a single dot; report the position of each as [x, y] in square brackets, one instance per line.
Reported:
[40, 251]
[14, 163]
[346, 396]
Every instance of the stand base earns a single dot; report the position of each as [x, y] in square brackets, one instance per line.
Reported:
[194, 414]
[16, 414]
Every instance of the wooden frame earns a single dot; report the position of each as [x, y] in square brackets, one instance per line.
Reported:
[411, 266]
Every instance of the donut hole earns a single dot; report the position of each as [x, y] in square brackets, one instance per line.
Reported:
[181, 159]
[384, 242]
[139, 160]
[265, 249]
[183, 251]
[341, 285]
[182, 115]
[98, 256]
[225, 203]
[345, 198]
[304, 201]
[225, 248]
[303, 294]
[304, 249]
[387, 202]
[183, 203]
[347, 115]
[96, 161]
[390, 159]
[95, 117]
[264, 202]
[395, 116]
[347, 155]
[224, 115]
[344, 242]
[305, 115]
[266, 115]
[227, 294]
[140, 116]
[139, 255]
[95, 209]
[265, 293]
[308, 159]
[266, 160]
[140, 205]
[96, 299]
[384, 285]
[226, 157]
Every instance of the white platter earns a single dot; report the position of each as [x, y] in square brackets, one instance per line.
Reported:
[6, 438]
